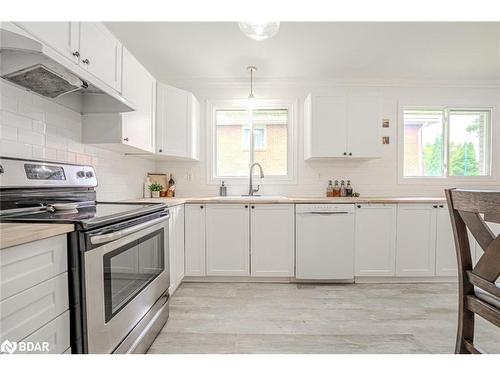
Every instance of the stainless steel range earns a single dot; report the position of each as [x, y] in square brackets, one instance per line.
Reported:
[118, 254]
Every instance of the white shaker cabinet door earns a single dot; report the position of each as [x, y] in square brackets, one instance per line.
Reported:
[416, 240]
[375, 242]
[139, 87]
[363, 125]
[61, 36]
[446, 258]
[195, 240]
[272, 240]
[228, 252]
[325, 128]
[101, 53]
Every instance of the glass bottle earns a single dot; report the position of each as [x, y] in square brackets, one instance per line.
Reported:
[336, 189]
[348, 189]
[342, 189]
[329, 189]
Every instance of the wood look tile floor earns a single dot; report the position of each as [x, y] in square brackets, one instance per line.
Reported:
[298, 318]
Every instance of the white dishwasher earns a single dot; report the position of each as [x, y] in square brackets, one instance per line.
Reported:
[325, 242]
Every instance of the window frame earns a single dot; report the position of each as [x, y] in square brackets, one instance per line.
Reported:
[492, 146]
[243, 145]
[213, 106]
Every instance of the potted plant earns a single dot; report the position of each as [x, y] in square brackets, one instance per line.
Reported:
[155, 190]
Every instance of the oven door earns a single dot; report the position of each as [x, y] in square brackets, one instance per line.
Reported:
[123, 280]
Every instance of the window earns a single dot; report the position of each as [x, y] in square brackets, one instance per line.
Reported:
[449, 142]
[244, 136]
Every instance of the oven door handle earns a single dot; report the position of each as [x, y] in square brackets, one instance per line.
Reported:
[99, 239]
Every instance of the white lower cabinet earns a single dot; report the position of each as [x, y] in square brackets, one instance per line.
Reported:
[446, 258]
[227, 236]
[375, 240]
[194, 246]
[176, 247]
[416, 240]
[272, 240]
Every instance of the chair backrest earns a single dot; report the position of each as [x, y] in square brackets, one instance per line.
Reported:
[469, 209]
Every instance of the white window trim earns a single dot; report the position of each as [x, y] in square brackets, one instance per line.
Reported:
[450, 180]
[290, 104]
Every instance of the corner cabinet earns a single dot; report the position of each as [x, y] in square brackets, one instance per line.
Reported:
[130, 132]
[342, 126]
[177, 123]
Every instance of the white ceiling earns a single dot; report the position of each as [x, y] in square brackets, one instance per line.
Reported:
[305, 50]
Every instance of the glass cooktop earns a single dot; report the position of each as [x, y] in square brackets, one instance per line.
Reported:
[88, 216]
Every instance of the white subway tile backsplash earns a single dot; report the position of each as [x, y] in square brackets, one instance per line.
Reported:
[12, 119]
[29, 136]
[16, 149]
[8, 132]
[33, 127]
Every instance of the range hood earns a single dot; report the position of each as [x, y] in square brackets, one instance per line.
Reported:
[29, 64]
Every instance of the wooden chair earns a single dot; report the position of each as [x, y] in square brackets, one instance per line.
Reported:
[479, 286]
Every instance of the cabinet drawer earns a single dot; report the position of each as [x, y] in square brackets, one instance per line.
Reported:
[27, 265]
[24, 313]
[56, 333]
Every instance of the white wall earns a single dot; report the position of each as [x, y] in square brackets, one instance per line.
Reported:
[33, 127]
[370, 178]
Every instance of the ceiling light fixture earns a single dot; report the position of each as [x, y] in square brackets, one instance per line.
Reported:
[259, 30]
[251, 69]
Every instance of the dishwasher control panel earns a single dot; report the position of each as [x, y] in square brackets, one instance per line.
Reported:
[324, 207]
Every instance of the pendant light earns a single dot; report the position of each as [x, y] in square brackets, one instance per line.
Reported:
[251, 69]
[259, 30]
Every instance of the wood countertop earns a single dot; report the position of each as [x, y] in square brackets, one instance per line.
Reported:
[281, 199]
[13, 234]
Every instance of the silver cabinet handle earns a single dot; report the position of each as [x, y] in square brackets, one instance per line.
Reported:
[96, 240]
[76, 54]
[125, 139]
[86, 61]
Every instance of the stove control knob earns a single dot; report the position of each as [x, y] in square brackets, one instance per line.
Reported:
[80, 174]
[89, 174]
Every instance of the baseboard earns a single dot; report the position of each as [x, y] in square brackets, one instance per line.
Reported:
[236, 279]
[404, 280]
[357, 280]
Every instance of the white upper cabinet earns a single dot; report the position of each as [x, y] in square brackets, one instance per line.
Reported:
[177, 123]
[89, 44]
[375, 242]
[61, 36]
[139, 87]
[130, 132]
[416, 240]
[342, 126]
[363, 125]
[100, 53]
[272, 239]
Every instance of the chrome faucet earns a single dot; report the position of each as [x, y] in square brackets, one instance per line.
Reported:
[251, 190]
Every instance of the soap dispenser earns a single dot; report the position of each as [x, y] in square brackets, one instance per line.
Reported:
[223, 190]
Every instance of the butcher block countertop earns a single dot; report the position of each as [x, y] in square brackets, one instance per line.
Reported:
[281, 199]
[13, 234]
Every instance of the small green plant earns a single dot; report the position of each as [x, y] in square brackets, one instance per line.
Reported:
[155, 187]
